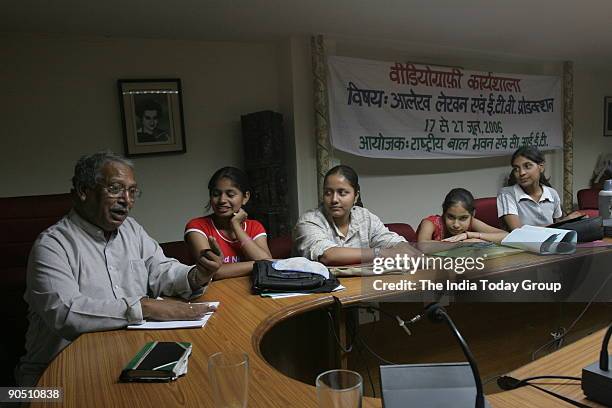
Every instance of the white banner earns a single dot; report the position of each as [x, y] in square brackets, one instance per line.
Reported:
[402, 110]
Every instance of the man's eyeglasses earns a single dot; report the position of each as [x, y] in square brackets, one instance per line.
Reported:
[117, 190]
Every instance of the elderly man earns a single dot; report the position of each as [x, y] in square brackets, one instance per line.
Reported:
[93, 270]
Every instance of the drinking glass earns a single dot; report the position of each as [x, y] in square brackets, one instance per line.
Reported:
[228, 372]
[339, 389]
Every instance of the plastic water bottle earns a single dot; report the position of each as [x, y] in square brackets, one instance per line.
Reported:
[605, 200]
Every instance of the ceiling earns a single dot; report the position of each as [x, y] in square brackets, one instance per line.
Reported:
[554, 30]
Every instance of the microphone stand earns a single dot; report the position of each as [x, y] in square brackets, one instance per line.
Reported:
[603, 354]
[597, 377]
[436, 313]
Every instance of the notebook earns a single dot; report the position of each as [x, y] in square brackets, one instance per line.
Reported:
[158, 361]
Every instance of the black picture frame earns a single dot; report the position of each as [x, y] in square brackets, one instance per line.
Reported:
[152, 116]
[608, 116]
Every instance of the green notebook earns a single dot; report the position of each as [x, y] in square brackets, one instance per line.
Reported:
[158, 361]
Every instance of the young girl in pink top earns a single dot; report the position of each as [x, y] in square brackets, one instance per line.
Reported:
[457, 222]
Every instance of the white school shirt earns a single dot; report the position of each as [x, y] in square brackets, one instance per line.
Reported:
[513, 200]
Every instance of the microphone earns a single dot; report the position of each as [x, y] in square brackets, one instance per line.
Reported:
[603, 354]
[597, 377]
[433, 385]
[437, 313]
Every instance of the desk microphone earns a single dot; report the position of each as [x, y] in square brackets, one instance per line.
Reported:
[597, 377]
[433, 385]
[437, 313]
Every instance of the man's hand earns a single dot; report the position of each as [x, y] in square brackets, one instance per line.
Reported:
[170, 309]
[209, 261]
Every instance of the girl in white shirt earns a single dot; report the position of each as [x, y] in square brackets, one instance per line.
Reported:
[528, 198]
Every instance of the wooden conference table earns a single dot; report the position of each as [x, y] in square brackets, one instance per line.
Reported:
[89, 368]
[570, 361]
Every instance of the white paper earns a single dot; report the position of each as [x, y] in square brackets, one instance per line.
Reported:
[301, 264]
[286, 294]
[174, 324]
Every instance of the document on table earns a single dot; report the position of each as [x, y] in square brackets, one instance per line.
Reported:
[280, 295]
[174, 324]
[542, 240]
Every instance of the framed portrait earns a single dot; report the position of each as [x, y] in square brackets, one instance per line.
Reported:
[152, 116]
[608, 116]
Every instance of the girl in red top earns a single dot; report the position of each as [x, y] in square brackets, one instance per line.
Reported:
[241, 240]
[457, 222]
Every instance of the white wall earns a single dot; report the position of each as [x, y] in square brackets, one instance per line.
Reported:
[408, 190]
[592, 84]
[60, 101]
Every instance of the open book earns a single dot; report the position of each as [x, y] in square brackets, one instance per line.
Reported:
[542, 240]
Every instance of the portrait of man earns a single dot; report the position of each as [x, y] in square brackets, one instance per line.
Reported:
[152, 119]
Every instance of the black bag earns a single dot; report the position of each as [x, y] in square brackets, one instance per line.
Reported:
[588, 229]
[267, 279]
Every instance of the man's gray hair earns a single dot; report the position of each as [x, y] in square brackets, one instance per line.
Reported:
[88, 170]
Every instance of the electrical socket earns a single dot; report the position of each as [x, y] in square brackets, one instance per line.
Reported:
[369, 316]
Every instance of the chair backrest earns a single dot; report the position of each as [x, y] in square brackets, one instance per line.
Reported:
[486, 211]
[22, 219]
[588, 199]
[405, 230]
[280, 247]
